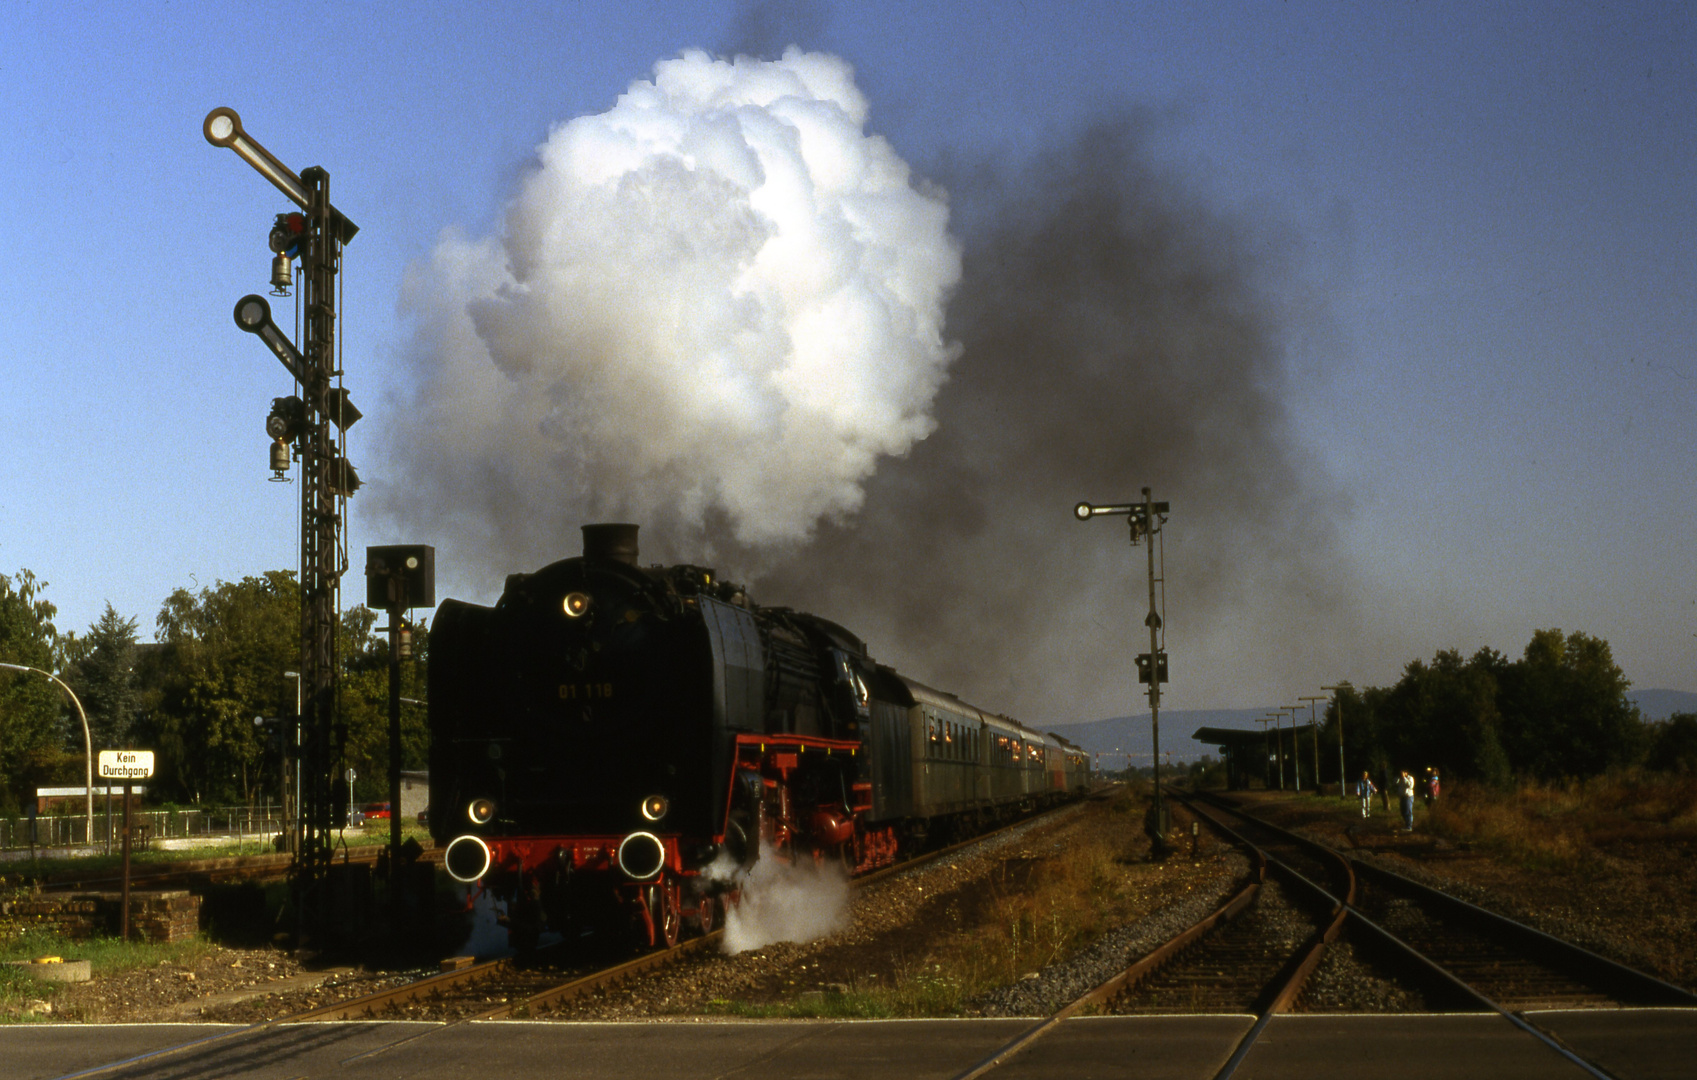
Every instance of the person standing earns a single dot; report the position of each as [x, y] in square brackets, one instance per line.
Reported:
[1431, 787]
[1365, 788]
[1405, 792]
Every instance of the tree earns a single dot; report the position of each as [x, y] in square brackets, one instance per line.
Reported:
[32, 729]
[1673, 745]
[1444, 715]
[1565, 709]
[102, 671]
[220, 662]
[365, 702]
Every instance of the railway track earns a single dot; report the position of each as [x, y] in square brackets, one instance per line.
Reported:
[1503, 964]
[1239, 968]
[496, 989]
[1459, 956]
[1252, 955]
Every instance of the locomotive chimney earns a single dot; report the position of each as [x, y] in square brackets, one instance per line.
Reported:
[615, 542]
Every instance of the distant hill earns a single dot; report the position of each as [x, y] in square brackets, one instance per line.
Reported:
[1130, 734]
[1661, 704]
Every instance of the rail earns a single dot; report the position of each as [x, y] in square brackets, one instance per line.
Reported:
[441, 986]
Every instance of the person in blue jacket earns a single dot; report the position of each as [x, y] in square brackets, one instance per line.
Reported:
[1365, 788]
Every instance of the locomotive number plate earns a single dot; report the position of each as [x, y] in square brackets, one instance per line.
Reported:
[586, 691]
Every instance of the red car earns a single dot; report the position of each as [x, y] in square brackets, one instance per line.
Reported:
[376, 810]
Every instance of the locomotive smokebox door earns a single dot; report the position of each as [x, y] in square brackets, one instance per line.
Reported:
[400, 575]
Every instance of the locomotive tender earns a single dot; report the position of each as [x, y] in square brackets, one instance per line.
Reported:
[613, 741]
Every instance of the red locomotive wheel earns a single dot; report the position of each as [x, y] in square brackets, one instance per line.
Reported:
[665, 906]
[705, 914]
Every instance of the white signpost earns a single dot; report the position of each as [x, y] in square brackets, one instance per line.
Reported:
[128, 766]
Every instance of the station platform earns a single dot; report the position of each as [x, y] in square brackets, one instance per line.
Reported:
[1631, 1044]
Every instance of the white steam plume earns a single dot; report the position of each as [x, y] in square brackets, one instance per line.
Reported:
[722, 298]
[782, 901]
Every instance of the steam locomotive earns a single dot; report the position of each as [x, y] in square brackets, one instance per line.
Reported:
[612, 744]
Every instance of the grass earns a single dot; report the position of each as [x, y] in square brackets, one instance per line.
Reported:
[1564, 826]
[1046, 911]
[21, 993]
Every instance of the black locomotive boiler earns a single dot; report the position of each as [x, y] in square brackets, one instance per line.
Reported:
[613, 742]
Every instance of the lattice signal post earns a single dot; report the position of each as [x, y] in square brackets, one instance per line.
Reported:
[1145, 520]
[313, 426]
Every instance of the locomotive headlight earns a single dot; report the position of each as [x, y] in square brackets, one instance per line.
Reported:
[575, 604]
[654, 807]
[481, 811]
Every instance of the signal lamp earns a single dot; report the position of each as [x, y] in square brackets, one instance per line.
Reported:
[400, 575]
[654, 807]
[481, 811]
[575, 604]
[286, 234]
[279, 462]
[281, 275]
[287, 419]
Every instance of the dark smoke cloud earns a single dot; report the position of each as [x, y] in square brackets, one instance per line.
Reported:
[1108, 330]
[1117, 333]
[766, 28]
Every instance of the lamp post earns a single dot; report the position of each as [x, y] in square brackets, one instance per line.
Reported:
[1145, 519]
[1343, 776]
[291, 751]
[87, 743]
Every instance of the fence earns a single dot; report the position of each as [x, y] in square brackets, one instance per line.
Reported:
[240, 823]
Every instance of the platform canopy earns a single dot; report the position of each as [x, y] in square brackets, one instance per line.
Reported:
[1246, 752]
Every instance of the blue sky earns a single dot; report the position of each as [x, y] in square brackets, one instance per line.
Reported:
[1489, 212]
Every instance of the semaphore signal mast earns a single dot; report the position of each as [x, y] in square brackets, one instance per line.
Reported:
[313, 427]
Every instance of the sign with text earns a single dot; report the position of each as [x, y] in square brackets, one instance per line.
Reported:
[126, 764]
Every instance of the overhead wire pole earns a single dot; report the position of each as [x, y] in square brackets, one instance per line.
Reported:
[317, 237]
[1295, 747]
[1145, 520]
[1279, 742]
[1343, 774]
[1314, 733]
[1266, 751]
